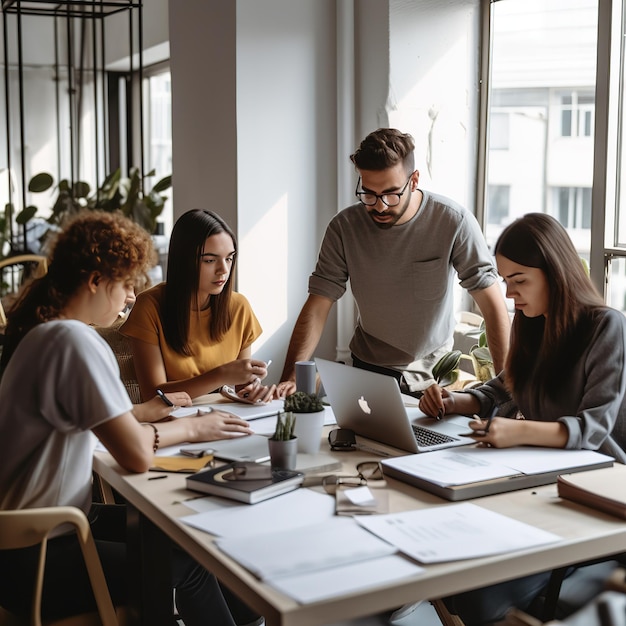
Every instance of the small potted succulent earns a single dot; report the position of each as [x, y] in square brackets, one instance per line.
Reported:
[283, 444]
[302, 402]
[309, 411]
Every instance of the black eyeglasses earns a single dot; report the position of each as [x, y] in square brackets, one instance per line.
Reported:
[388, 199]
[366, 471]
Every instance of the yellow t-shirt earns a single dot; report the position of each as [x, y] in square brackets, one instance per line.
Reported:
[144, 323]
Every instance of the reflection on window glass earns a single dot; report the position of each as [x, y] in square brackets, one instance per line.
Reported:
[577, 114]
[498, 201]
[499, 130]
[619, 237]
[574, 207]
[542, 86]
[159, 135]
[616, 291]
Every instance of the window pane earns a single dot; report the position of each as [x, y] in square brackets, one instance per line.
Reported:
[616, 291]
[159, 136]
[620, 235]
[543, 70]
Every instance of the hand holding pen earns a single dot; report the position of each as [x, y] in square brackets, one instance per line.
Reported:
[165, 399]
[161, 405]
[481, 432]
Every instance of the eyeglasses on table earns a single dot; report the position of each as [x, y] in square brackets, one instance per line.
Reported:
[369, 473]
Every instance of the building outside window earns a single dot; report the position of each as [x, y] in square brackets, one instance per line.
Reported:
[542, 81]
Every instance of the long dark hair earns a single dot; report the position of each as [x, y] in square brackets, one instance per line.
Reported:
[189, 235]
[544, 349]
[94, 241]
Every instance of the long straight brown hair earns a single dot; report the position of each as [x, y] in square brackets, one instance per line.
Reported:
[189, 234]
[544, 349]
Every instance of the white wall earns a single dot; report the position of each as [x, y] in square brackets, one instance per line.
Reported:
[256, 133]
[286, 166]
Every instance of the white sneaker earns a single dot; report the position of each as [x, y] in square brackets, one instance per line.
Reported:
[404, 616]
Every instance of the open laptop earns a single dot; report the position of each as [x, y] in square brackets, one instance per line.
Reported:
[371, 405]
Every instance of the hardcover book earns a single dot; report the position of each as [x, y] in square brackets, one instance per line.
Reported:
[596, 489]
[246, 482]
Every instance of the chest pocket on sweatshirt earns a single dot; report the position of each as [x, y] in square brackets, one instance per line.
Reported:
[428, 279]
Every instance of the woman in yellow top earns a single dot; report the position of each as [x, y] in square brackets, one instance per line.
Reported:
[193, 333]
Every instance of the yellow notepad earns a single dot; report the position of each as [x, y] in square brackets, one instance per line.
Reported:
[184, 464]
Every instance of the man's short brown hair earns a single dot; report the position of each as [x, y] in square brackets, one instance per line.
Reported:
[383, 149]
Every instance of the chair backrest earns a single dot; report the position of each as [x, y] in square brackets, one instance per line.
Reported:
[28, 527]
[122, 349]
[22, 262]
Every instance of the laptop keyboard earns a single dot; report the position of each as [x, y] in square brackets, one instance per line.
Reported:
[426, 437]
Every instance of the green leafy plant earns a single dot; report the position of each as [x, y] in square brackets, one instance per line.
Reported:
[446, 370]
[285, 423]
[302, 402]
[116, 193]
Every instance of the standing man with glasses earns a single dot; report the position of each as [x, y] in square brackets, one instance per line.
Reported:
[400, 247]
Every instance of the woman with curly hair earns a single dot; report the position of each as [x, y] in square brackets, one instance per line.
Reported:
[61, 382]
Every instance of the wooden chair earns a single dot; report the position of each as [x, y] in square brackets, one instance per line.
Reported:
[24, 267]
[447, 618]
[28, 527]
[121, 347]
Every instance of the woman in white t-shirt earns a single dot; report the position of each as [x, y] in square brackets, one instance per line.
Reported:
[60, 383]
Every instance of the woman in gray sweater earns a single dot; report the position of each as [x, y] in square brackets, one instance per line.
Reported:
[564, 382]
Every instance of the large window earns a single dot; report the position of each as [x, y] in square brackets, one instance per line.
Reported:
[542, 82]
[158, 131]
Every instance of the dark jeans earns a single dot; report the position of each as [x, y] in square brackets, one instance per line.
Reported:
[482, 607]
[67, 591]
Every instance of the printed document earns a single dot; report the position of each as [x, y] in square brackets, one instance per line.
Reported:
[320, 561]
[456, 466]
[454, 532]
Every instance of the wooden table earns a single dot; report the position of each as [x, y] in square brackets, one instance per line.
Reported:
[157, 506]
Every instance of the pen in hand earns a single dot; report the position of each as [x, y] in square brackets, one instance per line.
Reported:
[481, 432]
[163, 397]
[490, 419]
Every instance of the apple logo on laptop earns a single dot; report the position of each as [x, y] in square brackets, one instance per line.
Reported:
[364, 406]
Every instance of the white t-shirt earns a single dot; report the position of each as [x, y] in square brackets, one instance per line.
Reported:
[62, 381]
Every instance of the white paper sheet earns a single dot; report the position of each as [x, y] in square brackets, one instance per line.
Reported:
[333, 542]
[454, 532]
[296, 508]
[243, 410]
[308, 587]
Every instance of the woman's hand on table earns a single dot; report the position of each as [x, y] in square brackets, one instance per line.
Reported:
[216, 425]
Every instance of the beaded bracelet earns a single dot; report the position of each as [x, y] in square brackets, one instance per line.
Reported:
[155, 446]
